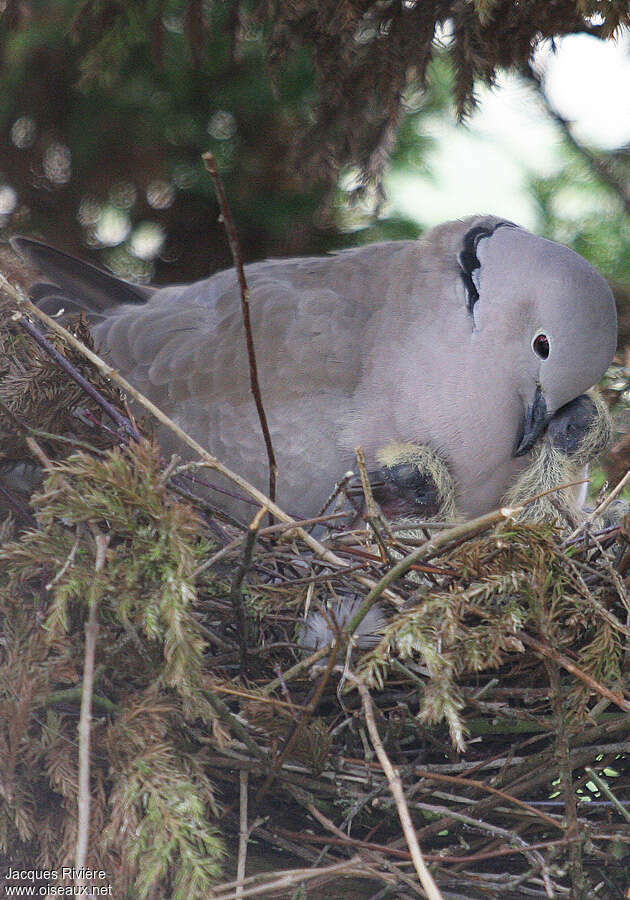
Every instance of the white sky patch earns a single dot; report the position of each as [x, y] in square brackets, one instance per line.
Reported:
[588, 81]
[483, 166]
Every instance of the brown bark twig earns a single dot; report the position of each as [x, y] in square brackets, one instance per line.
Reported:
[236, 596]
[426, 878]
[228, 221]
[121, 421]
[563, 759]
[547, 652]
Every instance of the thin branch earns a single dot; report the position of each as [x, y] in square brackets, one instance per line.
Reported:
[373, 513]
[121, 421]
[279, 527]
[600, 508]
[298, 725]
[548, 652]
[243, 833]
[457, 533]
[228, 221]
[295, 670]
[600, 167]
[236, 597]
[283, 880]
[563, 757]
[91, 630]
[69, 561]
[601, 784]
[395, 784]
[471, 782]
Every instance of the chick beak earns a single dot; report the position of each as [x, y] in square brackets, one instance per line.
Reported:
[536, 420]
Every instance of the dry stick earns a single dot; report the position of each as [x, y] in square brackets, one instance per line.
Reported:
[466, 529]
[426, 879]
[288, 877]
[562, 660]
[243, 833]
[211, 461]
[458, 533]
[121, 421]
[296, 670]
[601, 784]
[230, 230]
[343, 839]
[373, 514]
[563, 757]
[263, 532]
[608, 499]
[471, 782]
[236, 597]
[297, 727]
[91, 628]
[429, 547]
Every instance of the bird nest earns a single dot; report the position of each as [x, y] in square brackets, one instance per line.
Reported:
[157, 703]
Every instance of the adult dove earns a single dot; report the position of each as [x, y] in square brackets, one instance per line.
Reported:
[466, 341]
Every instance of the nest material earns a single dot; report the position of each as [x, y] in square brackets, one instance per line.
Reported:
[501, 691]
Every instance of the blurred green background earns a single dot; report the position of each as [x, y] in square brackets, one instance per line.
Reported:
[105, 109]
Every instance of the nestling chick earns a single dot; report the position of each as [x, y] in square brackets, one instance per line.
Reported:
[412, 483]
[575, 436]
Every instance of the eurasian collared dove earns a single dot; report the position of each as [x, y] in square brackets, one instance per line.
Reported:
[467, 341]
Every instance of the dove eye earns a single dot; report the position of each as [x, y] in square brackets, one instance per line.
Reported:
[541, 345]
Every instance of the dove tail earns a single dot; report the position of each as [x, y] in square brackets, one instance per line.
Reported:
[78, 286]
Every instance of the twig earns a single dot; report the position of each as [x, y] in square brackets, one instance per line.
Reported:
[562, 660]
[599, 509]
[236, 597]
[458, 532]
[69, 561]
[91, 629]
[471, 782]
[211, 166]
[228, 718]
[600, 166]
[372, 514]
[601, 784]
[563, 756]
[299, 724]
[295, 670]
[279, 527]
[288, 877]
[121, 421]
[243, 833]
[426, 879]
[338, 488]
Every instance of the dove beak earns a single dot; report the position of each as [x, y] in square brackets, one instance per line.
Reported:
[536, 420]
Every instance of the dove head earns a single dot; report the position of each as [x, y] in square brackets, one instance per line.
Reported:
[543, 317]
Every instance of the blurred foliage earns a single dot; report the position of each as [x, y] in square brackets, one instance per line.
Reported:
[577, 208]
[106, 107]
[100, 139]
